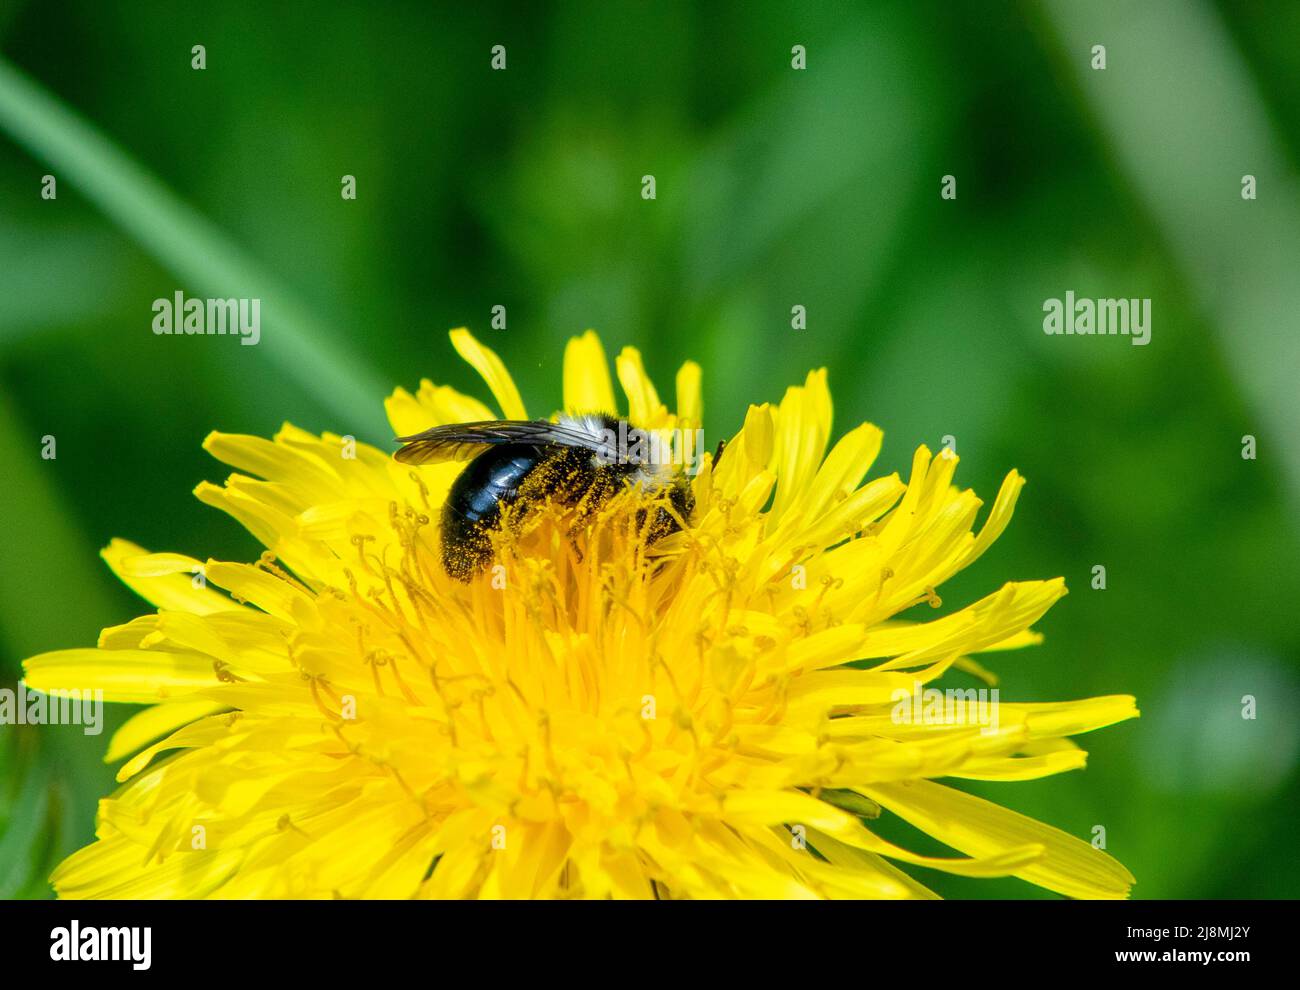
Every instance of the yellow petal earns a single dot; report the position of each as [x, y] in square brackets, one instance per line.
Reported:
[748, 453]
[587, 385]
[1069, 718]
[690, 401]
[644, 408]
[270, 593]
[1000, 864]
[993, 619]
[145, 726]
[1021, 767]
[803, 427]
[486, 363]
[167, 580]
[273, 461]
[140, 676]
[432, 405]
[1003, 506]
[980, 828]
[110, 869]
[840, 474]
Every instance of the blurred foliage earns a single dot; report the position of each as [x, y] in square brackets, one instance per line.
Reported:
[30, 821]
[775, 187]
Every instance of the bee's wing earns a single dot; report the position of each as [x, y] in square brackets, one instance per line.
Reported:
[461, 441]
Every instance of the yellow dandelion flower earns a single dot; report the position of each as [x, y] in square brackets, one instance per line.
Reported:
[720, 712]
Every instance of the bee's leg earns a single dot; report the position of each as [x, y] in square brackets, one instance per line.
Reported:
[593, 489]
[682, 500]
[665, 518]
[717, 454]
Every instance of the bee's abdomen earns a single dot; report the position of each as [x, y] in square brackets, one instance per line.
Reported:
[474, 503]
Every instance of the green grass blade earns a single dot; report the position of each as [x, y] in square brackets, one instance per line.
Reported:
[1184, 128]
[192, 248]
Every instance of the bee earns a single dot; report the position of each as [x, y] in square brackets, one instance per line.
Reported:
[580, 462]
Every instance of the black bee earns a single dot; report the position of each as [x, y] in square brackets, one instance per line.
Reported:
[579, 462]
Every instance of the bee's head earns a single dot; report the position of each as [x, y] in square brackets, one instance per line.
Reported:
[644, 457]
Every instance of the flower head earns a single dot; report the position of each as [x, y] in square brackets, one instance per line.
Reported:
[719, 712]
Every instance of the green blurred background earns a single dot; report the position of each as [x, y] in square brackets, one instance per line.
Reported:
[775, 187]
